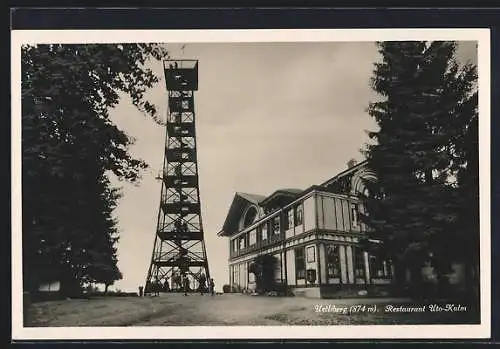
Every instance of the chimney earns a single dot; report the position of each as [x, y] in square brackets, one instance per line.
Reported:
[351, 163]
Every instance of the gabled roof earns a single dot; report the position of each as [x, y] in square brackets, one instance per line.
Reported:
[254, 198]
[240, 202]
[287, 192]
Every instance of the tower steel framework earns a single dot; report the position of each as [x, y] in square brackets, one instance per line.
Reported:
[179, 256]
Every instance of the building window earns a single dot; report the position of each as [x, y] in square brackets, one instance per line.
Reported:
[311, 254]
[300, 263]
[333, 260]
[264, 232]
[235, 245]
[242, 242]
[289, 220]
[359, 263]
[252, 238]
[276, 225]
[236, 275]
[377, 269]
[354, 214]
[298, 215]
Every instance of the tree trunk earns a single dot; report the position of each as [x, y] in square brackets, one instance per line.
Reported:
[106, 288]
[70, 287]
[429, 178]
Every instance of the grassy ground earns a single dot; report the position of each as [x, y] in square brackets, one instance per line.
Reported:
[236, 309]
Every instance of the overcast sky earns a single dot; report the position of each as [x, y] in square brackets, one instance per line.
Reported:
[268, 116]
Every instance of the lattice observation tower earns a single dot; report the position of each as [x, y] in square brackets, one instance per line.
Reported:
[179, 256]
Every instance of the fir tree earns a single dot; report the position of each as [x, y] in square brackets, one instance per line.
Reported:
[427, 99]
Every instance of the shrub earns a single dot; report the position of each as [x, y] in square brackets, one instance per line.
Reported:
[226, 288]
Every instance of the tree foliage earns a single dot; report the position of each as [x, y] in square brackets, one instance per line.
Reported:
[69, 145]
[263, 267]
[424, 156]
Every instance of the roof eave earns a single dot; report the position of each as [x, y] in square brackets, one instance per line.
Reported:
[273, 195]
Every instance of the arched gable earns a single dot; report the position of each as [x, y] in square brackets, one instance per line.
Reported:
[358, 179]
[250, 215]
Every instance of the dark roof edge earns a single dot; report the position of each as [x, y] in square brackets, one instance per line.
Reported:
[344, 173]
[293, 193]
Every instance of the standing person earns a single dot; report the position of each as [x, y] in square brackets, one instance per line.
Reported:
[186, 285]
[156, 291]
[203, 282]
[141, 291]
[212, 287]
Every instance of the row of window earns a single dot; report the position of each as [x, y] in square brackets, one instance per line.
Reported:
[378, 267]
[292, 217]
[268, 229]
[303, 255]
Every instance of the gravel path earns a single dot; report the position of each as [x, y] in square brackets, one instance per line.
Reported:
[228, 309]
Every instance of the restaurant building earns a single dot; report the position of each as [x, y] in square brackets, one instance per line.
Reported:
[313, 233]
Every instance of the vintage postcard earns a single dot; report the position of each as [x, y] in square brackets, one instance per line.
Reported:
[252, 184]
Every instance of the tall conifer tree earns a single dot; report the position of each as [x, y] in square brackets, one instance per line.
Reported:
[427, 99]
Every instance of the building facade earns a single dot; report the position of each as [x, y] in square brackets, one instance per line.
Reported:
[313, 234]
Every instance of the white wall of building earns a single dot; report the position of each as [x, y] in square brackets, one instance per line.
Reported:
[350, 264]
[277, 270]
[343, 264]
[290, 266]
[309, 213]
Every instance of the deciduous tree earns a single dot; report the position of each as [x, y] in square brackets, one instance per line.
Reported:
[69, 145]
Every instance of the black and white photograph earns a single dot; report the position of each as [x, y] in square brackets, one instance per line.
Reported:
[290, 183]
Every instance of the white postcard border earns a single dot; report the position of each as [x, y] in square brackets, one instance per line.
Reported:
[20, 37]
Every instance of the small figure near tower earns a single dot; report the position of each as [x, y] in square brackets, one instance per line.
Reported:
[212, 287]
[202, 284]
